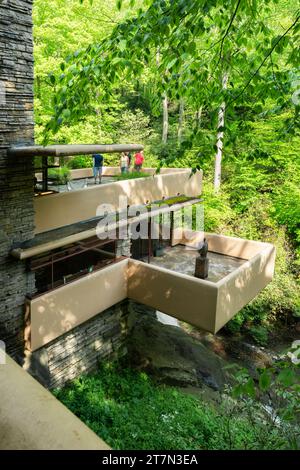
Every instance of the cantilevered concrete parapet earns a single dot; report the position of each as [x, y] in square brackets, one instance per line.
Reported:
[58, 210]
[31, 418]
[205, 304]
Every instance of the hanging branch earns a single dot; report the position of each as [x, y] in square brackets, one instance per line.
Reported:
[264, 60]
[227, 31]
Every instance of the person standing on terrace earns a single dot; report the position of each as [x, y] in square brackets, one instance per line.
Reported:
[138, 161]
[124, 163]
[98, 166]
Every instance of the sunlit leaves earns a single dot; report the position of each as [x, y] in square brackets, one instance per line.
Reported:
[119, 4]
[196, 44]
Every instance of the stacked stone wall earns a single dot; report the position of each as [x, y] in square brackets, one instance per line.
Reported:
[102, 338]
[16, 174]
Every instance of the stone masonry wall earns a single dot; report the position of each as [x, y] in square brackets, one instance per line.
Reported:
[80, 351]
[16, 175]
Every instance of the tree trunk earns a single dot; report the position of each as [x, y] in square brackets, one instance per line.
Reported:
[165, 119]
[199, 116]
[165, 130]
[220, 138]
[181, 120]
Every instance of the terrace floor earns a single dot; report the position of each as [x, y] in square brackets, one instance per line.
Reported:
[181, 259]
[80, 184]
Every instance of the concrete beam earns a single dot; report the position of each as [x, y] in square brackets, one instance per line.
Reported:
[71, 150]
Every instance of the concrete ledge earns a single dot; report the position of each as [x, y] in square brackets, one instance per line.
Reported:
[31, 418]
[56, 312]
[58, 210]
[207, 305]
[184, 297]
[82, 173]
[237, 289]
[241, 286]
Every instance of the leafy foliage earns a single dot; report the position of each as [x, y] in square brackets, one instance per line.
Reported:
[80, 162]
[278, 389]
[132, 175]
[197, 42]
[59, 175]
[128, 411]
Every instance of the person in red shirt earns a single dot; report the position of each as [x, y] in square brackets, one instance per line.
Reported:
[139, 160]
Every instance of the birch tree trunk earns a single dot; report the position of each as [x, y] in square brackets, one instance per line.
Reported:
[165, 119]
[165, 129]
[180, 121]
[199, 116]
[220, 139]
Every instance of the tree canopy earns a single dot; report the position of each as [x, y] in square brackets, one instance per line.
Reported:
[198, 41]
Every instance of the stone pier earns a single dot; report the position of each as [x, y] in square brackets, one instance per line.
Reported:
[16, 175]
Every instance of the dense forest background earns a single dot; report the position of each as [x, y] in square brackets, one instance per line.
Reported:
[259, 196]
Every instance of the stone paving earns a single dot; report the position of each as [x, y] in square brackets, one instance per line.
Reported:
[182, 259]
[80, 184]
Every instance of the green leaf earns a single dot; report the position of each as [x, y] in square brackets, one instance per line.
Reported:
[66, 113]
[52, 79]
[171, 63]
[122, 45]
[286, 377]
[265, 381]
[249, 388]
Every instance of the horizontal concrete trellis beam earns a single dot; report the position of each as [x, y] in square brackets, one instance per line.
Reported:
[71, 150]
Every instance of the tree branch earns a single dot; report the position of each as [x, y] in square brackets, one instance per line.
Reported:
[227, 31]
[264, 60]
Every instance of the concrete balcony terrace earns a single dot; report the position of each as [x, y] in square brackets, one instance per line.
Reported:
[165, 283]
[206, 304]
[83, 178]
[62, 209]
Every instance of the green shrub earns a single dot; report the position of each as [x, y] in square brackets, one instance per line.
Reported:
[59, 175]
[80, 161]
[217, 210]
[131, 175]
[272, 399]
[128, 411]
[259, 333]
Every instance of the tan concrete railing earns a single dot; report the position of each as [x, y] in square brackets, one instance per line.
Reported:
[230, 246]
[243, 284]
[82, 173]
[66, 307]
[181, 296]
[58, 210]
[31, 418]
[205, 304]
